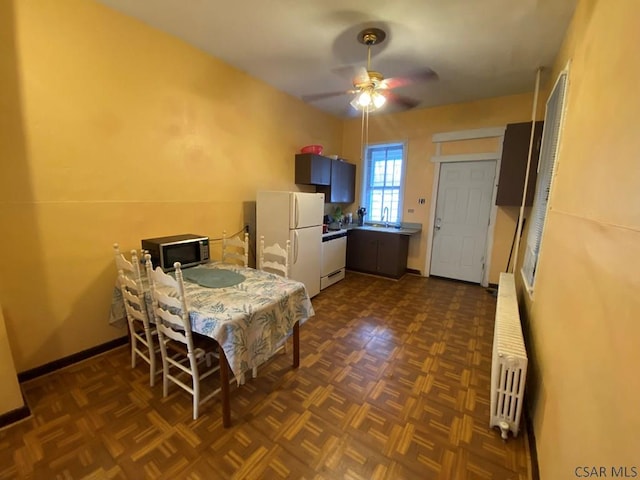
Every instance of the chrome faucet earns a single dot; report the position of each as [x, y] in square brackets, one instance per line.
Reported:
[385, 214]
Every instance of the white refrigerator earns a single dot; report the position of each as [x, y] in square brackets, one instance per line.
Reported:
[294, 216]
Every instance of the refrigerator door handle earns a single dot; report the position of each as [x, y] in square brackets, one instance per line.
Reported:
[295, 247]
[296, 212]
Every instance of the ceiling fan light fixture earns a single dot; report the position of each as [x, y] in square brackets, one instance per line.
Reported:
[368, 100]
[378, 99]
[364, 99]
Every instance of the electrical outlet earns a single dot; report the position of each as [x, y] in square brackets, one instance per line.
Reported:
[410, 210]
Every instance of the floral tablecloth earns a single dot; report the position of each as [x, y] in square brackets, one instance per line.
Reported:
[248, 319]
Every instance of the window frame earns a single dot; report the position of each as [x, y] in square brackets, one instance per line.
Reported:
[547, 168]
[366, 187]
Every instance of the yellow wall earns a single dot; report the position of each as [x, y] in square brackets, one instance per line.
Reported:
[112, 131]
[583, 319]
[417, 127]
[10, 393]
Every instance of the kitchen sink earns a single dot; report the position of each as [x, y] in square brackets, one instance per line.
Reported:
[381, 227]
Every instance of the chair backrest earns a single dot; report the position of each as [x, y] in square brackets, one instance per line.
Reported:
[234, 249]
[170, 304]
[130, 268]
[131, 285]
[274, 257]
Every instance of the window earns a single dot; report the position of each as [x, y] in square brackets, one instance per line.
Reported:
[546, 169]
[383, 179]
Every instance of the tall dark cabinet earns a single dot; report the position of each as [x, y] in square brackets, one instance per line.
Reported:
[335, 178]
[342, 188]
[312, 169]
[513, 166]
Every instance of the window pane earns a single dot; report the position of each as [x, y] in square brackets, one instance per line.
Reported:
[548, 153]
[383, 182]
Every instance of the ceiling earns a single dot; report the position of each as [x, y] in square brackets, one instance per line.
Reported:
[478, 48]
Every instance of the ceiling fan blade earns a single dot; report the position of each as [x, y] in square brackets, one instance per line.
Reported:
[361, 76]
[346, 71]
[321, 96]
[350, 112]
[357, 75]
[416, 77]
[405, 102]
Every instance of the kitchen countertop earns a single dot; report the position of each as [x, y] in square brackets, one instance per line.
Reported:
[401, 229]
[341, 231]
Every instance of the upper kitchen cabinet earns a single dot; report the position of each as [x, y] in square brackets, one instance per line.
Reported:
[515, 151]
[312, 169]
[342, 188]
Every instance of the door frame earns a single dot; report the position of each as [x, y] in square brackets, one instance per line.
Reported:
[438, 159]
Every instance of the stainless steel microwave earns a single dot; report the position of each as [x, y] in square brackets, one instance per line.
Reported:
[188, 249]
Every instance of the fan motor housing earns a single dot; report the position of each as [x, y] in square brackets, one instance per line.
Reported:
[371, 36]
[375, 80]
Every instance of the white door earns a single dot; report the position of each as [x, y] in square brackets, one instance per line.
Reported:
[305, 258]
[463, 207]
[307, 209]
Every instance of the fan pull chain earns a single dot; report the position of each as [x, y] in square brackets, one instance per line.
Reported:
[364, 133]
[362, 138]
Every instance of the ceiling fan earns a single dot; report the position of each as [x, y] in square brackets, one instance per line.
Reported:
[370, 89]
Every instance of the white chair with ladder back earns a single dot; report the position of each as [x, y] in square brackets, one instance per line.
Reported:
[274, 258]
[187, 358]
[141, 330]
[234, 249]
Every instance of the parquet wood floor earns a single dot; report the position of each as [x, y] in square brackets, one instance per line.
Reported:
[393, 384]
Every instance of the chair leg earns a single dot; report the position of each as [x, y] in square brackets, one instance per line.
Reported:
[133, 351]
[132, 344]
[165, 378]
[195, 379]
[152, 367]
[152, 357]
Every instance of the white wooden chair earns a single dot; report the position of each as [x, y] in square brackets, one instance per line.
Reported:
[187, 359]
[274, 258]
[141, 330]
[234, 249]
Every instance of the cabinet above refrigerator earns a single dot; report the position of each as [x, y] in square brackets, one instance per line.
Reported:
[335, 178]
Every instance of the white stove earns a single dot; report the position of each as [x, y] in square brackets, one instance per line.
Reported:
[334, 255]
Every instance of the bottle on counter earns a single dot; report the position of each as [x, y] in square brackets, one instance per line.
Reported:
[348, 218]
[362, 211]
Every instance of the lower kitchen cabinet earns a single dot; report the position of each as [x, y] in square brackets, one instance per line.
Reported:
[362, 251]
[380, 253]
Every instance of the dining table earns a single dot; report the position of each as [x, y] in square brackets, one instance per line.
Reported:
[248, 312]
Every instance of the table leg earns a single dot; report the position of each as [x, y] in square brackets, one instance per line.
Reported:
[224, 387]
[296, 345]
